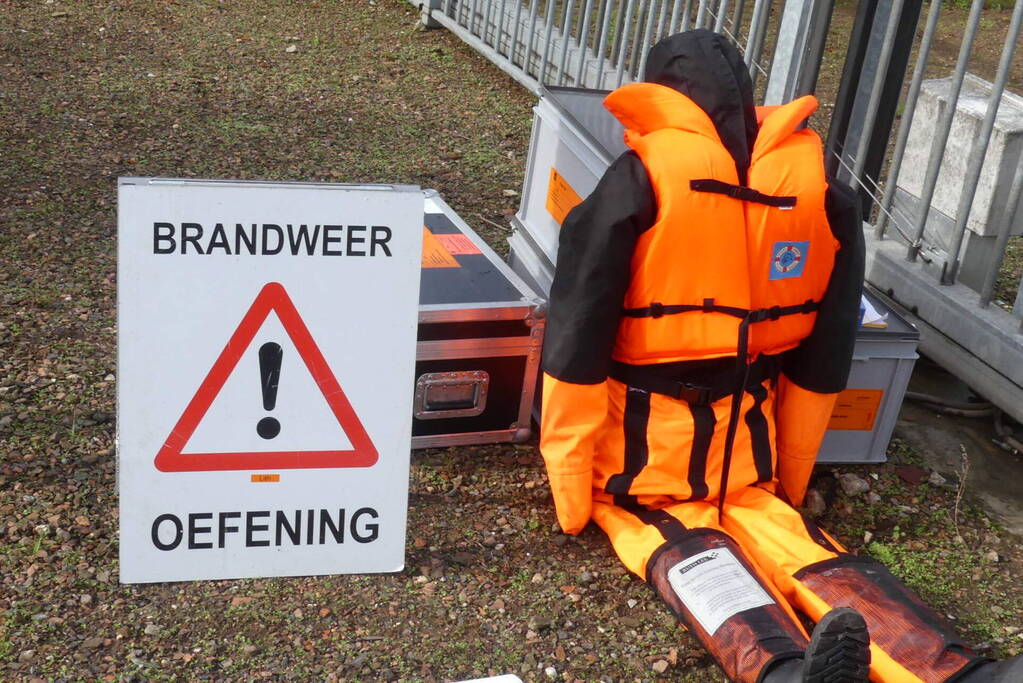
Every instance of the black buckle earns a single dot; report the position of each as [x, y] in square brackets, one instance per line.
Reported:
[809, 306]
[656, 310]
[693, 395]
[708, 305]
[758, 316]
[735, 191]
[774, 312]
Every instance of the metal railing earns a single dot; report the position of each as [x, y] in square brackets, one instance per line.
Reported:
[592, 43]
[942, 263]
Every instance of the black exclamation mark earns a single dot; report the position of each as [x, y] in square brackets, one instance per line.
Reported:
[270, 355]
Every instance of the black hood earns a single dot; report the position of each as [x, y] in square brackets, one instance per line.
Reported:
[705, 67]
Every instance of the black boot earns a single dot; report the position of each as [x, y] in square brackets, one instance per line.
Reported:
[1005, 671]
[839, 652]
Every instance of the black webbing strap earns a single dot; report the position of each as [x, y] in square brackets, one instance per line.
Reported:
[659, 310]
[648, 378]
[741, 192]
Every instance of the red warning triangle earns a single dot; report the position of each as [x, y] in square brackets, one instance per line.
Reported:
[271, 298]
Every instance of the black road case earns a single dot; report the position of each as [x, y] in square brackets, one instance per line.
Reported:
[480, 333]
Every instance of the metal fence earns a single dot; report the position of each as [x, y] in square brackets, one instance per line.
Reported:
[593, 43]
[940, 262]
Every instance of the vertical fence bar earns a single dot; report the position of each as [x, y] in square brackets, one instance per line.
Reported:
[566, 27]
[1004, 230]
[473, 11]
[944, 126]
[659, 33]
[606, 24]
[533, 8]
[638, 22]
[719, 23]
[701, 14]
[501, 17]
[620, 74]
[515, 32]
[447, 7]
[676, 16]
[646, 39]
[736, 25]
[756, 43]
[584, 33]
[907, 117]
[687, 15]
[759, 11]
[486, 21]
[981, 144]
[548, 30]
[875, 91]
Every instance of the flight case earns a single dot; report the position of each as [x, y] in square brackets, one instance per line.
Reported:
[480, 333]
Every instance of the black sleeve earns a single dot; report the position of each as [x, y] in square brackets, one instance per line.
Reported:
[593, 272]
[821, 362]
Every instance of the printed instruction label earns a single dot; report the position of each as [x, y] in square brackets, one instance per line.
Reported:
[561, 198]
[714, 586]
[856, 409]
[435, 254]
[457, 244]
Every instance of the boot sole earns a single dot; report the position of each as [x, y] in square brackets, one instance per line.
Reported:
[839, 651]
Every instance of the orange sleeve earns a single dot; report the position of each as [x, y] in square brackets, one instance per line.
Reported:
[801, 419]
[571, 416]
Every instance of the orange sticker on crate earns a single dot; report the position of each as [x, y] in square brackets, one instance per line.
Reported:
[457, 243]
[265, 478]
[561, 198]
[856, 409]
[435, 254]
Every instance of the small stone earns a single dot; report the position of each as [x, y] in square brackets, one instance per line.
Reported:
[631, 603]
[537, 578]
[509, 193]
[291, 48]
[249, 649]
[152, 630]
[867, 537]
[815, 504]
[103, 576]
[26, 655]
[936, 479]
[42, 529]
[85, 599]
[853, 485]
[660, 666]
[991, 556]
[239, 600]
[92, 643]
[551, 672]
[297, 613]
[873, 498]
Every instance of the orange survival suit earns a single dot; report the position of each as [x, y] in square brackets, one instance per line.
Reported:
[702, 320]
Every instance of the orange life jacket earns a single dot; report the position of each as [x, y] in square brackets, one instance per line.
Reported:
[727, 269]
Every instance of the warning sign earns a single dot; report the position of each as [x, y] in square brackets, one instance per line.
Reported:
[561, 198]
[266, 346]
[360, 451]
[856, 409]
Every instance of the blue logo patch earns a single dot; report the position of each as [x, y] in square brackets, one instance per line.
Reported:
[788, 259]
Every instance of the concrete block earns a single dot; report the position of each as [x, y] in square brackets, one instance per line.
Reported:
[1004, 154]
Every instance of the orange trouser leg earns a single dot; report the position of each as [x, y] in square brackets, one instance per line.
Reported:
[909, 642]
[708, 582]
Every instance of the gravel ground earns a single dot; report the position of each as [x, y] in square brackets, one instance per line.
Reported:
[332, 90]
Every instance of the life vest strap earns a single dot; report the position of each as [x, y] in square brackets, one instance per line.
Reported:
[655, 380]
[659, 310]
[741, 192]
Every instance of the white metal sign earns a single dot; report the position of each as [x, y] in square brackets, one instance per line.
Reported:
[266, 348]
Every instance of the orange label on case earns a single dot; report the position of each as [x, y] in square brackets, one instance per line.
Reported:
[856, 409]
[457, 243]
[561, 198]
[435, 255]
[260, 478]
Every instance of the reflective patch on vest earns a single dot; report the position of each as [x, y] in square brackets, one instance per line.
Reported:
[788, 260]
[714, 586]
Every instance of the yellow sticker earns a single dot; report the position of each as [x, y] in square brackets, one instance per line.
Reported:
[434, 253]
[561, 198]
[261, 478]
[856, 409]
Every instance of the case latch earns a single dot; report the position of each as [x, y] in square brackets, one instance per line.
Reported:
[451, 394]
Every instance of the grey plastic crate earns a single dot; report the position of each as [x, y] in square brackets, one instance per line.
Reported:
[865, 416]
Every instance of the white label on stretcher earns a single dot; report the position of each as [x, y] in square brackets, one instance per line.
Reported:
[714, 586]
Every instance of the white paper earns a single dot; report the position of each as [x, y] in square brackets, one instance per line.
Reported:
[871, 317]
[714, 586]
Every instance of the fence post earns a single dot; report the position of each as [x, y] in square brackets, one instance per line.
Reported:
[426, 8]
[798, 52]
